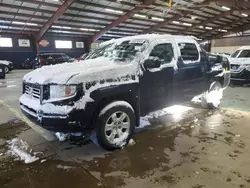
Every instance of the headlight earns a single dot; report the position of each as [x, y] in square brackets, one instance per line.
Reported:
[59, 91]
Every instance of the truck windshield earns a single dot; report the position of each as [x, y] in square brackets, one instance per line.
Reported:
[125, 51]
[244, 54]
[235, 54]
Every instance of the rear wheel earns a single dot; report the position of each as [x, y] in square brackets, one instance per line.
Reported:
[212, 98]
[115, 125]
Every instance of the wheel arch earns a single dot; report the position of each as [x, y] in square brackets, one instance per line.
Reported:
[129, 96]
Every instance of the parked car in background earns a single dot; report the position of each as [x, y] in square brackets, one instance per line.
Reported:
[83, 57]
[9, 66]
[51, 59]
[28, 64]
[120, 82]
[240, 65]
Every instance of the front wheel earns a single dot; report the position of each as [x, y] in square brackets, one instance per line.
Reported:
[6, 69]
[212, 98]
[115, 125]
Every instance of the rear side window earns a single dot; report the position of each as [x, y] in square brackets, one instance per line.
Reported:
[189, 52]
[245, 53]
[163, 52]
[45, 56]
[56, 56]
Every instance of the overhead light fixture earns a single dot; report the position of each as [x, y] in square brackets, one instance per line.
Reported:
[60, 27]
[4, 27]
[226, 8]
[112, 10]
[201, 27]
[176, 22]
[209, 28]
[31, 24]
[4, 21]
[23, 23]
[86, 29]
[140, 16]
[157, 19]
[66, 27]
[187, 24]
[244, 14]
[55, 26]
[19, 23]
[222, 30]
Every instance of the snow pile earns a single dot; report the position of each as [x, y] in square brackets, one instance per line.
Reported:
[18, 148]
[144, 122]
[121, 141]
[62, 136]
[65, 136]
[214, 97]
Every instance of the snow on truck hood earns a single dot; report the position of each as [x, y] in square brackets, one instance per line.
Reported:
[74, 73]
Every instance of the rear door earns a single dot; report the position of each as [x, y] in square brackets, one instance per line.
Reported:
[192, 70]
[157, 85]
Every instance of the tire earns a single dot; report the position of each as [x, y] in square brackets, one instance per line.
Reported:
[212, 98]
[7, 69]
[115, 125]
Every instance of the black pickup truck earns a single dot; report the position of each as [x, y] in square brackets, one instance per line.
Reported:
[121, 81]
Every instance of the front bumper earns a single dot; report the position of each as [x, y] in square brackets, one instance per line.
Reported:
[70, 121]
[243, 75]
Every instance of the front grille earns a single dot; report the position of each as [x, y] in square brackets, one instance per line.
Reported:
[33, 92]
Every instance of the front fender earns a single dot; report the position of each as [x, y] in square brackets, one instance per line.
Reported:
[128, 92]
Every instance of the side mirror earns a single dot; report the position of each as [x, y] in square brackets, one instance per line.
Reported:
[150, 64]
[218, 59]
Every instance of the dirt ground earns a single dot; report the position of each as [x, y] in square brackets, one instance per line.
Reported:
[198, 149]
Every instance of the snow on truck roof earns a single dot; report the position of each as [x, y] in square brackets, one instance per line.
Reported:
[244, 48]
[150, 37]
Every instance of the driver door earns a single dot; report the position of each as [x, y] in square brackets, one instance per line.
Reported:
[158, 84]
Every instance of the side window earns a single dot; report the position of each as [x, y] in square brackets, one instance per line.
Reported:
[163, 52]
[56, 56]
[189, 52]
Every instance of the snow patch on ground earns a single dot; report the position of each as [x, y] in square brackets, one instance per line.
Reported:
[62, 136]
[175, 110]
[18, 148]
[65, 167]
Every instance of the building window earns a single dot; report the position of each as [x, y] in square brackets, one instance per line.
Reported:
[6, 42]
[66, 44]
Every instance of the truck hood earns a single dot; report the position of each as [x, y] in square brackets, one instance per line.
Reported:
[84, 71]
[5, 62]
[239, 61]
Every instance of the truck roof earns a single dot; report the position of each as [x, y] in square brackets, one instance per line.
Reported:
[151, 37]
[244, 48]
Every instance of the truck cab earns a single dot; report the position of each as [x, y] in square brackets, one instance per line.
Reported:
[121, 81]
